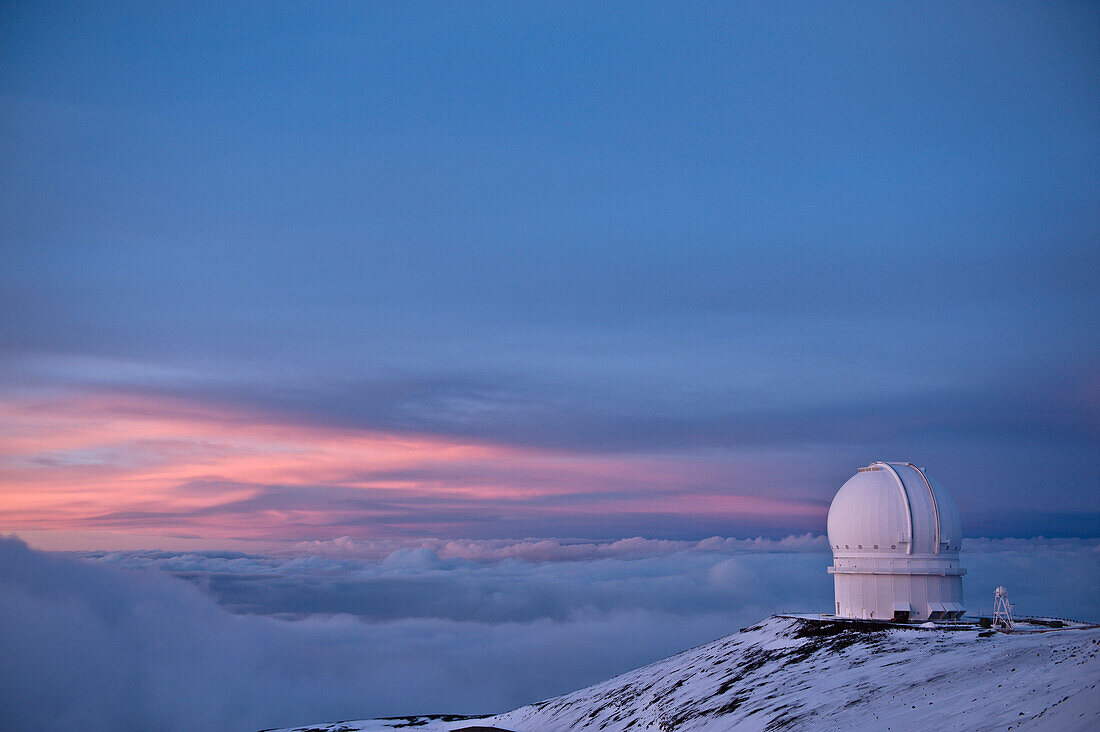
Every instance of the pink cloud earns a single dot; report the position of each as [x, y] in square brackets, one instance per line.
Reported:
[127, 463]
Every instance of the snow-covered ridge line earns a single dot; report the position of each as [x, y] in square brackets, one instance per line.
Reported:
[794, 673]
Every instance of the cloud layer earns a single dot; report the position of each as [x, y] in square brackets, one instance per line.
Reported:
[170, 466]
[147, 465]
[236, 641]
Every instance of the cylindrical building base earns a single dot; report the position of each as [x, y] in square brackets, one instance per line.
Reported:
[898, 596]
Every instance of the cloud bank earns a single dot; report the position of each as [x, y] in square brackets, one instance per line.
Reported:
[236, 641]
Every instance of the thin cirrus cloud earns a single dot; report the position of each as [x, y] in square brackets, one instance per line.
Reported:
[136, 463]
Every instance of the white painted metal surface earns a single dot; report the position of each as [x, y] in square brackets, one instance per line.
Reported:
[1002, 610]
[895, 535]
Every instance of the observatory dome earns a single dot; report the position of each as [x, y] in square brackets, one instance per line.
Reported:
[893, 508]
[895, 535]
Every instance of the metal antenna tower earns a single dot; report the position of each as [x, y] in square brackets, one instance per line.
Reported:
[1002, 610]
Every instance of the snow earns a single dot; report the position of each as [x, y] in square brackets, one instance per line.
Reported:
[794, 673]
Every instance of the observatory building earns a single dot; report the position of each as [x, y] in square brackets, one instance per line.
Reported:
[895, 536]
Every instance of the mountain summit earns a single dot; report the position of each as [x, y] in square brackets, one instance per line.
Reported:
[795, 673]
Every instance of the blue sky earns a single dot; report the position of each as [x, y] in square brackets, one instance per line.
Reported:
[719, 256]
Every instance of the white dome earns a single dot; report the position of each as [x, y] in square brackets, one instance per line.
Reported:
[895, 535]
[893, 509]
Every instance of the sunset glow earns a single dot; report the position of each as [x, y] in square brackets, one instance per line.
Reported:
[135, 464]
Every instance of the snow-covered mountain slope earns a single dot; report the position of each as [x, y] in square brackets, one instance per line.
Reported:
[792, 673]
